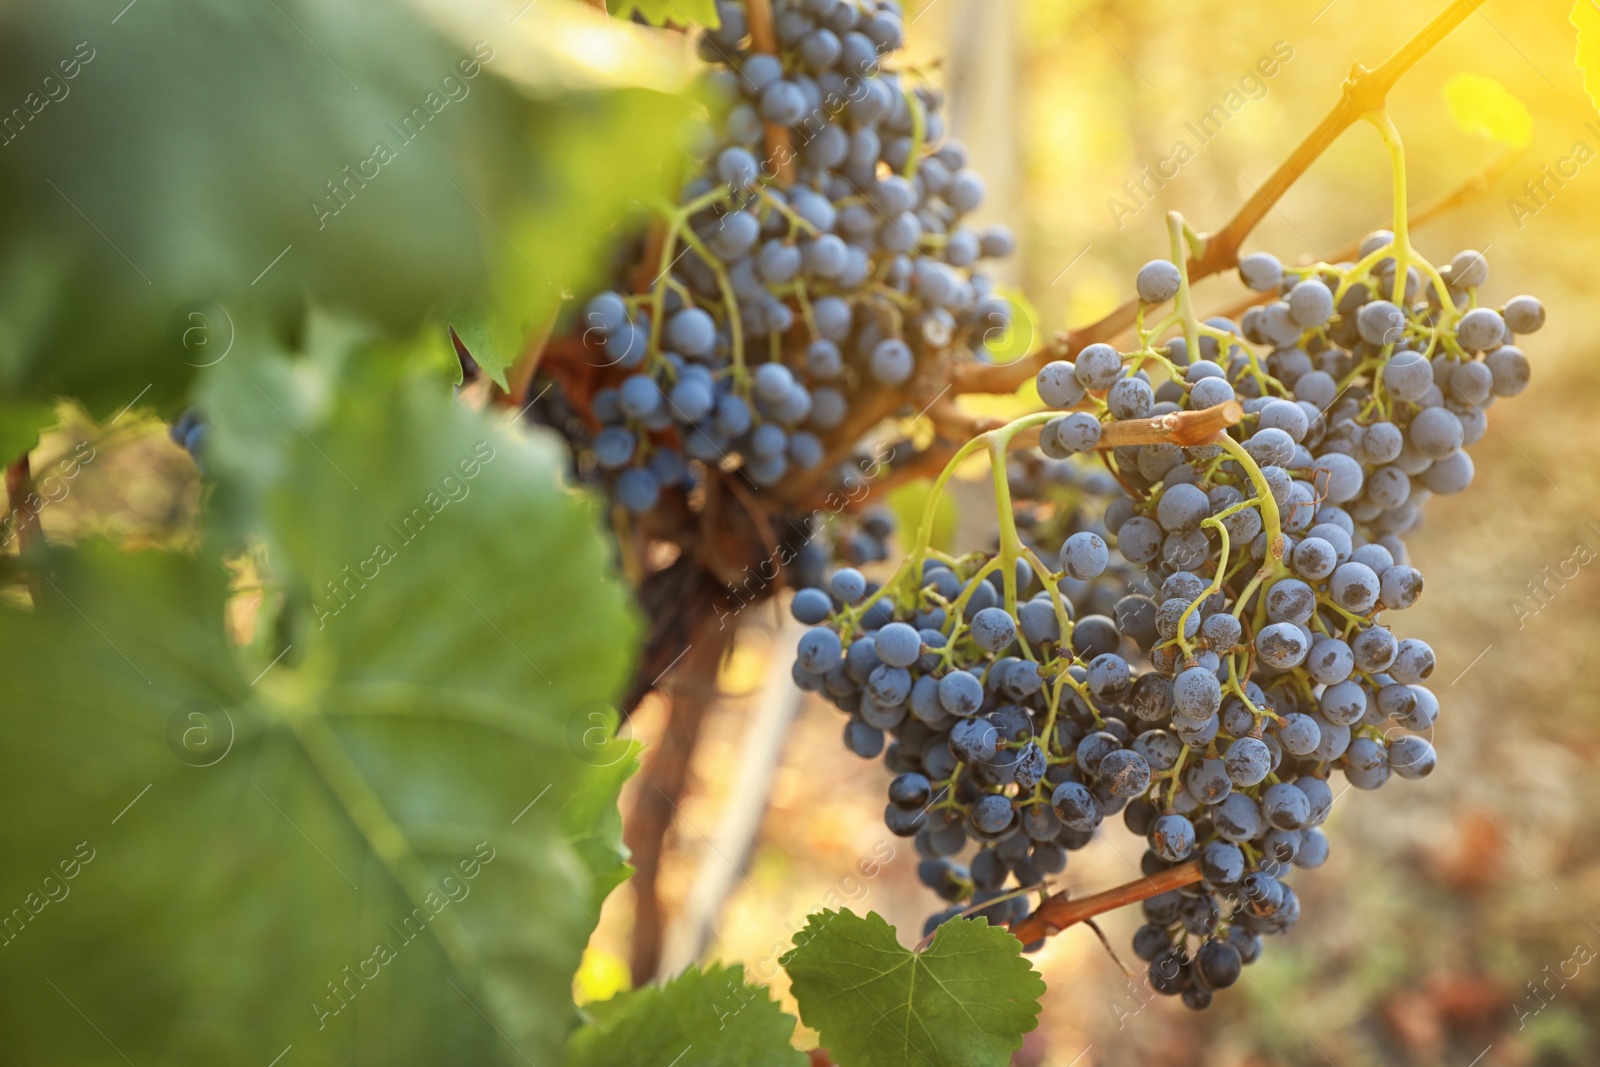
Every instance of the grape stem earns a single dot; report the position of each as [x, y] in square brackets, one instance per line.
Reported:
[919, 128]
[1215, 523]
[1188, 429]
[1185, 309]
[1404, 254]
[1271, 519]
[1472, 188]
[730, 300]
[1058, 912]
[997, 440]
[30, 534]
[1364, 92]
[764, 38]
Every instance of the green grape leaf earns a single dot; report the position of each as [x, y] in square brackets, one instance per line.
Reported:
[1481, 105]
[965, 1001]
[661, 12]
[471, 325]
[364, 158]
[357, 835]
[1586, 18]
[611, 147]
[710, 1018]
[590, 818]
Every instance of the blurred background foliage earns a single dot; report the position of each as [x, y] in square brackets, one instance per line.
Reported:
[1457, 916]
[276, 719]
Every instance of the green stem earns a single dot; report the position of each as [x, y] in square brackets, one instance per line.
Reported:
[1397, 167]
[1010, 541]
[1177, 772]
[919, 128]
[795, 218]
[1404, 254]
[930, 510]
[1193, 329]
[730, 302]
[1184, 305]
[1215, 522]
[1271, 520]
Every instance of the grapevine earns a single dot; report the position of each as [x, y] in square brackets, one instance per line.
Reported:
[1193, 636]
[371, 573]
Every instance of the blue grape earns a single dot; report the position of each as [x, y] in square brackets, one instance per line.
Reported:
[960, 693]
[638, 396]
[638, 489]
[1282, 645]
[1172, 837]
[848, 585]
[1126, 772]
[1075, 806]
[614, 446]
[819, 650]
[865, 741]
[605, 312]
[767, 470]
[993, 629]
[1247, 761]
[735, 236]
[806, 450]
[992, 814]
[1084, 555]
[1157, 281]
[691, 399]
[898, 645]
[691, 331]
[768, 441]
[910, 790]
[974, 740]
[889, 686]
[965, 192]
[772, 382]
[812, 606]
[892, 362]
[668, 467]
[1286, 807]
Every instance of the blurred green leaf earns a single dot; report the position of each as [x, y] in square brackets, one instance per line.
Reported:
[910, 500]
[566, 46]
[590, 818]
[714, 1015]
[20, 425]
[359, 835]
[240, 159]
[615, 149]
[661, 12]
[1587, 20]
[1481, 105]
[965, 1001]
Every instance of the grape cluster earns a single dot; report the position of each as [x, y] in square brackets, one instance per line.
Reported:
[1204, 648]
[776, 308]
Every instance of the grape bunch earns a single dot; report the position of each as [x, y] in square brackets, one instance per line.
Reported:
[776, 309]
[1192, 634]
